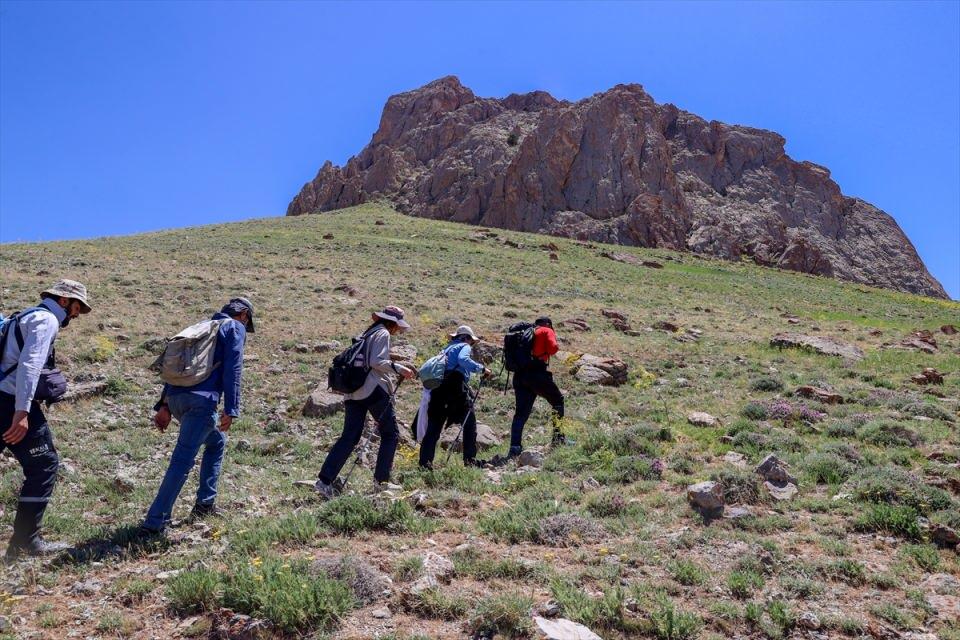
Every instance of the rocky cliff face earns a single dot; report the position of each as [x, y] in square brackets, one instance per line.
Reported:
[617, 167]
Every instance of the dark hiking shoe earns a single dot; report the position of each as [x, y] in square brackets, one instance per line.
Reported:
[514, 452]
[37, 547]
[326, 491]
[560, 440]
[473, 462]
[145, 533]
[426, 467]
[201, 511]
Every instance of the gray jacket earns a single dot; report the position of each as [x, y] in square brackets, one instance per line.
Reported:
[382, 371]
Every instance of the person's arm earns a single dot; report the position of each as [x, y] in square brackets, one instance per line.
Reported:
[38, 330]
[551, 346]
[233, 334]
[379, 356]
[465, 362]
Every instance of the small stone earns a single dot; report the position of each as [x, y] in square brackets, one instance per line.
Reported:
[437, 566]
[944, 536]
[824, 396]
[736, 513]
[948, 329]
[702, 419]
[324, 347]
[486, 438]
[563, 629]
[736, 459]
[123, 483]
[808, 620]
[5, 624]
[530, 458]
[664, 325]
[381, 613]
[781, 492]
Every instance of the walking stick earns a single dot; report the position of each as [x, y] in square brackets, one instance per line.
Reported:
[473, 403]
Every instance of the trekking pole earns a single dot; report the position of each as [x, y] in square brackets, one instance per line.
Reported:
[466, 417]
[366, 441]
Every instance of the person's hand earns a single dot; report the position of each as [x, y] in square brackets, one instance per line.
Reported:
[406, 371]
[18, 428]
[161, 419]
[487, 373]
[225, 422]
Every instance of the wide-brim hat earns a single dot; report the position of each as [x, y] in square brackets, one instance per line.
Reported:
[464, 330]
[73, 290]
[393, 314]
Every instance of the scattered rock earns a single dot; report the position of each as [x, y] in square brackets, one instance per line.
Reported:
[348, 289]
[773, 469]
[328, 236]
[947, 608]
[424, 583]
[604, 371]
[652, 264]
[613, 314]
[819, 344]
[781, 491]
[437, 566]
[382, 613]
[948, 329]
[379, 223]
[702, 419]
[920, 340]
[577, 324]
[736, 513]
[367, 583]
[736, 459]
[808, 620]
[403, 353]
[554, 257]
[626, 258]
[5, 624]
[944, 536]
[487, 353]
[706, 498]
[563, 629]
[486, 438]
[82, 390]
[530, 458]
[816, 393]
[664, 325]
[322, 403]
[123, 483]
[324, 347]
[941, 583]
[928, 376]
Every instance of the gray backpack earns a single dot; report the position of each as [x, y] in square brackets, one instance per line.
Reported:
[187, 358]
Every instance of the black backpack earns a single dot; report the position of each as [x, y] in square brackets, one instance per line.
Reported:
[346, 375]
[518, 346]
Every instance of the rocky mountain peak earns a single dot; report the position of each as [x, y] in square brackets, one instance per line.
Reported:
[617, 167]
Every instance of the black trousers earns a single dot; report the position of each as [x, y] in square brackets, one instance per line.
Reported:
[380, 405]
[39, 460]
[528, 385]
[449, 404]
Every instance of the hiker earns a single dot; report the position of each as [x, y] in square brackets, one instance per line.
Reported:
[452, 401]
[375, 396]
[28, 377]
[195, 407]
[533, 380]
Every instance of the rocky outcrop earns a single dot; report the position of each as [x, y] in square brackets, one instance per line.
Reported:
[617, 167]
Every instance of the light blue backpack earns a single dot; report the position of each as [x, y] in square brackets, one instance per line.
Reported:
[434, 370]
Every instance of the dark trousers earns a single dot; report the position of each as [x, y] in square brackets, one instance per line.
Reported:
[528, 385]
[449, 404]
[39, 461]
[380, 405]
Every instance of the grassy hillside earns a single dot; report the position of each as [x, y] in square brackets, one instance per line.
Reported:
[848, 555]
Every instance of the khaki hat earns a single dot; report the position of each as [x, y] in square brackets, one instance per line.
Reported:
[464, 330]
[70, 289]
[393, 314]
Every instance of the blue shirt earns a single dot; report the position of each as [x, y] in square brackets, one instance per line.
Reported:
[458, 359]
[225, 379]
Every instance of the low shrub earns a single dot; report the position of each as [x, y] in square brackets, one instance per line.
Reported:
[888, 433]
[351, 514]
[688, 573]
[754, 411]
[743, 584]
[827, 468]
[604, 612]
[739, 487]
[766, 383]
[893, 486]
[891, 519]
[506, 614]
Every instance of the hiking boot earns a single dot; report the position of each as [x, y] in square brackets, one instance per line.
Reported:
[426, 467]
[201, 511]
[559, 440]
[36, 547]
[326, 491]
[473, 462]
[144, 532]
[514, 452]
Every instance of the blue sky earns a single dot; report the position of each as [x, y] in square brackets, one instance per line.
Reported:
[122, 117]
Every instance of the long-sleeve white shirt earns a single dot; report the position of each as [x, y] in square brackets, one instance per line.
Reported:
[39, 330]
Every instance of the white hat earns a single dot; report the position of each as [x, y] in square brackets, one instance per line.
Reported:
[464, 330]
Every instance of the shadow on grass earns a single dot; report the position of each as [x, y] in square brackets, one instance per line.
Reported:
[125, 541]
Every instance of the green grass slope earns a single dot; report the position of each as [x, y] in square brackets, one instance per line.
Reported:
[597, 532]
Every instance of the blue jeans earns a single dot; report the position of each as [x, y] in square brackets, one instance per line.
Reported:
[198, 427]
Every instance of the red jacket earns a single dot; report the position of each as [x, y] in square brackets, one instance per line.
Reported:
[544, 343]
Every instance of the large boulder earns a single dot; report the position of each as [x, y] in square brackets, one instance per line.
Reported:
[818, 344]
[321, 403]
[486, 438]
[591, 369]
